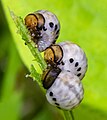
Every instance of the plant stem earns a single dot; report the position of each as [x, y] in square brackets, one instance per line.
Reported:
[22, 30]
[36, 76]
[68, 115]
[72, 115]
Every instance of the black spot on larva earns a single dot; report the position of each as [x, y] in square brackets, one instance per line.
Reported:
[71, 60]
[78, 74]
[68, 70]
[57, 32]
[56, 27]
[62, 63]
[51, 24]
[79, 69]
[51, 93]
[44, 28]
[56, 37]
[76, 64]
[57, 104]
[54, 99]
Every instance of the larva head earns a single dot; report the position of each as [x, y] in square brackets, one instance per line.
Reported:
[74, 59]
[66, 92]
[44, 28]
[53, 54]
[34, 22]
[49, 76]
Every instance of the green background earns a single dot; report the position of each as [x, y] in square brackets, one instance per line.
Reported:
[83, 22]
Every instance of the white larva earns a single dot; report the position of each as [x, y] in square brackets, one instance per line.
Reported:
[66, 92]
[67, 56]
[74, 59]
[50, 31]
[67, 62]
[44, 27]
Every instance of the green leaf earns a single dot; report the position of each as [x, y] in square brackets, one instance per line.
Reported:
[10, 108]
[10, 99]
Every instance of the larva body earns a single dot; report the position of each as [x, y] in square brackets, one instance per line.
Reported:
[66, 92]
[67, 56]
[44, 28]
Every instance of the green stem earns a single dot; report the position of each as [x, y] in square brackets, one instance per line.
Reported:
[68, 115]
[36, 76]
[37, 56]
[27, 38]
[72, 115]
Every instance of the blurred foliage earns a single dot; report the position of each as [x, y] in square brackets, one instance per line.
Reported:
[83, 22]
[18, 95]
